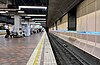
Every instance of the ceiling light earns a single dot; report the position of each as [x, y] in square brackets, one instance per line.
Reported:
[20, 11]
[27, 17]
[12, 16]
[36, 15]
[35, 7]
[3, 12]
[38, 19]
[41, 21]
[6, 11]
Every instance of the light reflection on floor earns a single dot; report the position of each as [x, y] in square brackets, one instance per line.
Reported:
[16, 51]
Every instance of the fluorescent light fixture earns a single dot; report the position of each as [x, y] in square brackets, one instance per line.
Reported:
[12, 16]
[6, 11]
[20, 11]
[33, 7]
[41, 21]
[38, 19]
[3, 11]
[27, 17]
[36, 15]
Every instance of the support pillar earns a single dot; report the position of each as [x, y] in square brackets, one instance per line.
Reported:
[28, 28]
[17, 23]
[46, 29]
[72, 19]
[56, 26]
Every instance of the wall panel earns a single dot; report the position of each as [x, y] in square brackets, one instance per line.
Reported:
[98, 4]
[88, 16]
[91, 22]
[84, 23]
[98, 21]
[91, 7]
[63, 24]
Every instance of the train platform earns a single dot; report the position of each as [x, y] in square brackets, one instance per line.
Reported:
[33, 50]
[43, 53]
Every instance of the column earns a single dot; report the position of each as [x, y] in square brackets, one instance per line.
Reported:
[28, 30]
[72, 20]
[17, 24]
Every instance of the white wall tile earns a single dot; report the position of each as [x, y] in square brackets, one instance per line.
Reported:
[91, 22]
[84, 23]
[98, 21]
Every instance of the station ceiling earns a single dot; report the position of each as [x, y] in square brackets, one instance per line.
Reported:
[56, 8]
[32, 3]
[17, 3]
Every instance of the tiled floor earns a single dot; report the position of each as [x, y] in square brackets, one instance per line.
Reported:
[17, 51]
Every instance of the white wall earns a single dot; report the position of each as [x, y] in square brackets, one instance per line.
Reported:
[88, 16]
[64, 23]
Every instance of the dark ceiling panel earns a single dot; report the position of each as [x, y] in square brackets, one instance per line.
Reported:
[15, 3]
[23, 17]
[31, 2]
[34, 11]
[56, 8]
[6, 19]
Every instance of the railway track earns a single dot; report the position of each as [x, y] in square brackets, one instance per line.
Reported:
[64, 56]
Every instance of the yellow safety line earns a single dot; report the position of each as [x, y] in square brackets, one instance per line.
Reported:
[38, 53]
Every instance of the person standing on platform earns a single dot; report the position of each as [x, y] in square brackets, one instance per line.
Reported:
[7, 33]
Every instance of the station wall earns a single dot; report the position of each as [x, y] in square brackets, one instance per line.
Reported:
[88, 16]
[63, 23]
